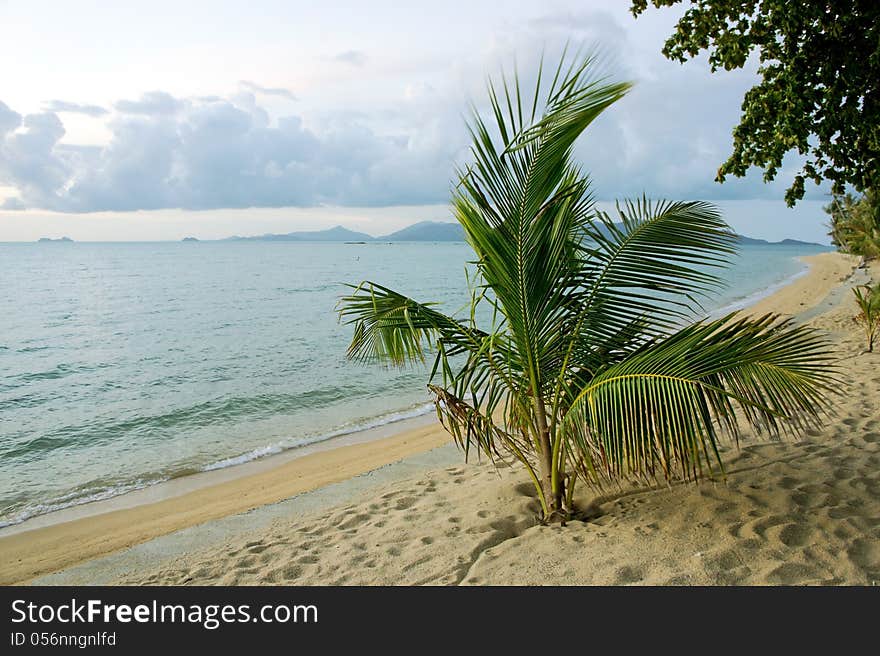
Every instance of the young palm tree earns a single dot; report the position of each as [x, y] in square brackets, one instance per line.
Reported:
[587, 369]
[855, 224]
[868, 302]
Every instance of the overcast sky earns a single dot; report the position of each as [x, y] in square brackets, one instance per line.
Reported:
[157, 120]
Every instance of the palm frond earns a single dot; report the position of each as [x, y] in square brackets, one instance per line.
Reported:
[391, 327]
[654, 263]
[523, 205]
[663, 408]
[473, 426]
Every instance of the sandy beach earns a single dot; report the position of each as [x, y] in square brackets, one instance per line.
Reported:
[406, 509]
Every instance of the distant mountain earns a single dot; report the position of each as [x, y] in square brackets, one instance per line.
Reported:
[427, 231]
[423, 231]
[797, 242]
[333, 234]
[434, 231]
[49, 239]
[742, 239]
[751, 241]
[189, 239]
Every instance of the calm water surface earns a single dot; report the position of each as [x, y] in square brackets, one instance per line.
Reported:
[122, 365]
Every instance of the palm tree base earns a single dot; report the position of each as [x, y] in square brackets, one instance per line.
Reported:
[556, 516]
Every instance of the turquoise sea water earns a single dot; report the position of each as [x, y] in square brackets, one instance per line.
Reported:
[122, 365]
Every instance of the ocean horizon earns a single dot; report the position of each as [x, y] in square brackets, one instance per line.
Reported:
[128, 364]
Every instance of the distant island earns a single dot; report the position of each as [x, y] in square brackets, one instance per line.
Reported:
[431, 231]
[427, 231]
[750, 241]
[333, 234]
[422, 231]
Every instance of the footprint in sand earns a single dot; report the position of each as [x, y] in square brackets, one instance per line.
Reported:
[351, 522]
[865, 554]
[871, 438]
[404, 503]
[795, 535]
[628, 575]
[794, 574]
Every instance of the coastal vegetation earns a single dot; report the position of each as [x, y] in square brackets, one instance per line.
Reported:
[868, 302]
[582, 354]
[819, 63]
[855, 224]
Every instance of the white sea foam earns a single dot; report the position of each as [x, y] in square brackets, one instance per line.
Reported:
[78, 498]
[348, 429]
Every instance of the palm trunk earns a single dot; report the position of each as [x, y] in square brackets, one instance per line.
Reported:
[553, 494]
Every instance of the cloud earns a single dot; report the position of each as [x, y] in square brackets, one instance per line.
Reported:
[75, 108]
[350, 57]
[224, 154]
[670, 133]
[666, 138]
[29, 159]
[12, 204]
[267, 91]
[153, 103]
[9, 120]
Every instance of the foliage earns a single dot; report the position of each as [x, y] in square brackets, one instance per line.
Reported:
[818, 94]
[868, 301]
[855, 224]
[584, 371]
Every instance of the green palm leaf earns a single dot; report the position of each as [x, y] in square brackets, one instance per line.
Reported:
[670, 401]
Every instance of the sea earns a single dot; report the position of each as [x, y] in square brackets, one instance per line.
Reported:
[126, 364]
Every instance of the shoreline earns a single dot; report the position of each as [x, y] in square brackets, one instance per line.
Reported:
[807, 292]
[31, 550]
[54, 541]
[130, 495]
[176, 486]
[756, 297]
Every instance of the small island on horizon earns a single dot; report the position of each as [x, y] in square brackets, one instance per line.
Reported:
[430, 231]
[421, 231]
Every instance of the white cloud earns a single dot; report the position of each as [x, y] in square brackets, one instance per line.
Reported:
[267, 91]
[152, 103]
[350, 57]
[60, 106]
[171, 152]
[392, 140]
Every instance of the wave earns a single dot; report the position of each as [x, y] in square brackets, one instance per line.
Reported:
[349, 429]
[78, 498]
[199, 415]
[101, 493]
[59, 371]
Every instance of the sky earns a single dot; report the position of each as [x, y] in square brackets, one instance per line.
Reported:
[158, 120]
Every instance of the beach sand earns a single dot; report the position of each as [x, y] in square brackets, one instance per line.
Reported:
[805, 512]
